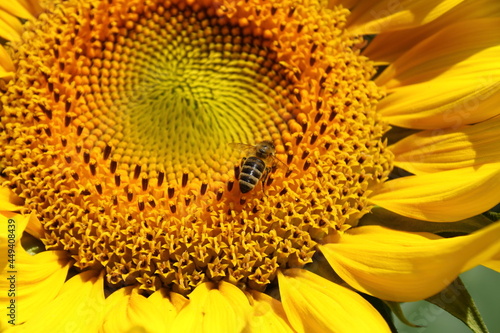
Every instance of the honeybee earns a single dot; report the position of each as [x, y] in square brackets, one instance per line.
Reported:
[260, 160]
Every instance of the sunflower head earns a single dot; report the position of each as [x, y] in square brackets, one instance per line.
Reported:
[118, 124]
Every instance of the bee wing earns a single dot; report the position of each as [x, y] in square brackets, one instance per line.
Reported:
[242, 146]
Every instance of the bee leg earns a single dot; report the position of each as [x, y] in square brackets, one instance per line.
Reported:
[264, 180]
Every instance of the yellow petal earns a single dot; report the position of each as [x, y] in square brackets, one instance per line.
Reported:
[402, 266]
[214, 310]
[446, 196]
[431, 151]
[15, 8]
[6, 75]
[78, 308]
[389, 46]
[26, 9]
[349, 4]
[446, 81]
[373, 17]
[238, 300]
[9, 202]
[314, 304]
[38, 280]
[493, 264]
[35, 227]
[126, 309]
[440, 53]
[10, 27]
[432, 106]
[162, 296]
[268, 314]
[6, 65]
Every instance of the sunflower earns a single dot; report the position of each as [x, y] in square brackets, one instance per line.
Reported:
[118, 122]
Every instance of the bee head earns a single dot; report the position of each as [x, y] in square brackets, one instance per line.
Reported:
[265, 149]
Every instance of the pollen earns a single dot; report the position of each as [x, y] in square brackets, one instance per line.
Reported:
[117, 129]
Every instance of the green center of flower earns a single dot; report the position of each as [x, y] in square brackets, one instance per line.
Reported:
[119, 120]
[182, 95]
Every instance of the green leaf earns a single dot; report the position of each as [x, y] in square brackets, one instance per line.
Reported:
[31, 244]
[456, 300]
[494, 216]
[396, 309]
[386, 218]
[396, 134]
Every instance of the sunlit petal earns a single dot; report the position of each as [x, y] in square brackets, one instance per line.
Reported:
[125, 308]
[435, 151]
[78, 307]
[10, 27]
[314, 304]
[402, 266]
[6, 65]
[212, 310]
[372, 17]
[237, 299]
[443, 196]
[15, 8]
[34, 227]
[389, 46]
[26, 9]
[446, 82]
[350, 4]
[268, 315]
[493, 264]
[38, 279]
[9, 202]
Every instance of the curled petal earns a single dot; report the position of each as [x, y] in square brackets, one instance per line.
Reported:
[442, 196]
[445, 82]
[314, 304]
[35, 227]
[389, 46]
[403, 266]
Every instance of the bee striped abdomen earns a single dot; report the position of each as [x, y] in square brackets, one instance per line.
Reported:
[251, 172]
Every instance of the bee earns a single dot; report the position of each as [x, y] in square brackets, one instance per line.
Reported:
[260, 160]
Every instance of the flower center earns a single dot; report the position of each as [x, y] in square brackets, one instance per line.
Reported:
[178, 98]
[119, 120]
